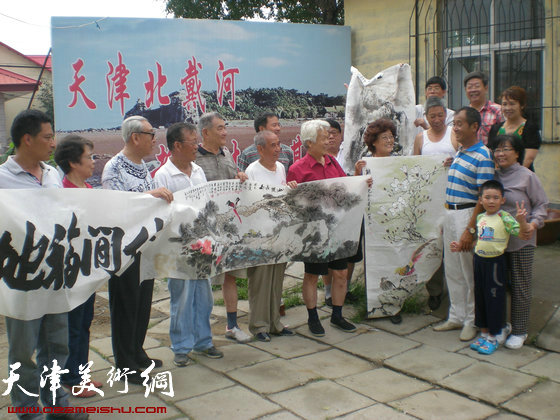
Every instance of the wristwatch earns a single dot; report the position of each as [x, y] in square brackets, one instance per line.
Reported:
[472, 231]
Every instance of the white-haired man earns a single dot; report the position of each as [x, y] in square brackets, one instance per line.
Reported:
[130, 300]
[317, 164]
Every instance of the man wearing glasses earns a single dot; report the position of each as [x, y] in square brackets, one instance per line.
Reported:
[130, 300]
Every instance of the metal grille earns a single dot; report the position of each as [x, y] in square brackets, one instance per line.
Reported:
[515, 42]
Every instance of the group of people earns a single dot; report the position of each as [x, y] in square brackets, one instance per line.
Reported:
[493, 193]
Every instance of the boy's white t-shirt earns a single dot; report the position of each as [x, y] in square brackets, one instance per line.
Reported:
[256, 172]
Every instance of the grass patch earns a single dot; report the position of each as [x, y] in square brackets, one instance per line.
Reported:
[219, 302]
[242, 288]
[358, 290]
[415, 304]
[292, 296]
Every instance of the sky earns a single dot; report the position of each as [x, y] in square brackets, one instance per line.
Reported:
[26, 25]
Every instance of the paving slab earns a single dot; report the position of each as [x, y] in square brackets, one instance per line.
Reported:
[444, 405]
[429, 363]
[194, 380]
[280, 415]
[410, 323]
[333, 364]
[273, 376]
[104, 345]
[384, 385]
[541, 402]
[444, 340]
[377, 412]
[295, 269]
[332, 335]
[549, 338]
[320, 400]
[235, 356]
[513, 359]
[130, 402]
[547, 366]
[499, 384]
[162, 306]
[295, 317]
[100, 364]
[240, 402]
[289, 347]
[242, 306]
[377, 345]
[162, 327]
[505, 416]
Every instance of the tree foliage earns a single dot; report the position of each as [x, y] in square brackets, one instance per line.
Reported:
[296, 11]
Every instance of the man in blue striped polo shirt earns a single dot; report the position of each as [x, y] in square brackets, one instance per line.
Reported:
[471, 167]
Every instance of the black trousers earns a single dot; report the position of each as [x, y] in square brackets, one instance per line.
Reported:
[490, 293]
[130, 302]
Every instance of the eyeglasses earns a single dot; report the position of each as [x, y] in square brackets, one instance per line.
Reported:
[387, 139]
[150, 133]
[505, 149]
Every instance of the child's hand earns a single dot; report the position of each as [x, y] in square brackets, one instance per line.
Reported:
[454, 246]
[521, 214]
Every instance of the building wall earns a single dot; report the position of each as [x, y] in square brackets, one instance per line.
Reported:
[380, 38]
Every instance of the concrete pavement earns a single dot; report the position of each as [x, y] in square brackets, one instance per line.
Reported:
[383, 371]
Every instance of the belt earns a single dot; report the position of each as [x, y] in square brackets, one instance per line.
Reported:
[459, 206]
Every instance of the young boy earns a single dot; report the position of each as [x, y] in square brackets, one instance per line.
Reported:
[493, 228]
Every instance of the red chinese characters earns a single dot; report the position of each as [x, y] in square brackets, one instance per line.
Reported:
[116, 83]
[75, 87]
[296, 147]
[226, 82]
[192, 86]
[151, 87]
[236, 152]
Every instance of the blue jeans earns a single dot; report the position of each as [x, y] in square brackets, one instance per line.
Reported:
[79, 321]
[49, 336]
[191, 306]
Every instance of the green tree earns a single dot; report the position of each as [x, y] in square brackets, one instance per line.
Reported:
[296, 11]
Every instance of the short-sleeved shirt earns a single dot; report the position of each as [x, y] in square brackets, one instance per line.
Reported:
[69, 184]
[216, 166]
[250, 155]
[13, 176]
[470, 169]
[308, 169]
[257, 172]
[490, 114]
[120, 173]
[170, 177]
[493, 233]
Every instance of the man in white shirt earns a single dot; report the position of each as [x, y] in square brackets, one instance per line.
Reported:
[265, 281]
[46, 336]
[191, 300]
[435, 86]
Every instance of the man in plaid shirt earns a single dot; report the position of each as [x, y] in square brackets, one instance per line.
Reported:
[476, 88]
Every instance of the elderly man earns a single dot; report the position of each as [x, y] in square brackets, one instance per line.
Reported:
[33, 139]
[471, 167]
[476, 89]
[217, 163]
[191, 300]
[270, 122]
[317, 164]
[130, 300]
[435, 87]
[265, 281]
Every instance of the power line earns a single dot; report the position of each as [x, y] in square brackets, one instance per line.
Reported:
[94, 22]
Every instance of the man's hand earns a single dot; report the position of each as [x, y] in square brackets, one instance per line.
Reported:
[466, 241]
[162, 193]
[447, 162]
[421, 122]
[292, 184]
[242, 176]
[358, 167]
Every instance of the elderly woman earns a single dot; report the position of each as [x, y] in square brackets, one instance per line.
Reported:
[522, 188]
[74, 155]
[317, 164]
[379, 137]
[514, 101]
[439, 138]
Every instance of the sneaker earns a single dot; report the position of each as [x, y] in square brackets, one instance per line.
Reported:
[434, 302]
[468, 333]
[286, 332]
[396, 319]
[515, 342]
[182, 360]
[328, 302]
[476, 345]
[488, 347]
[146, 363]
[504, 334]
[211, 352]
[262, 336]
[238, 335]
[448, 326]
[343, 325]
[81, 392]
[316, 328]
